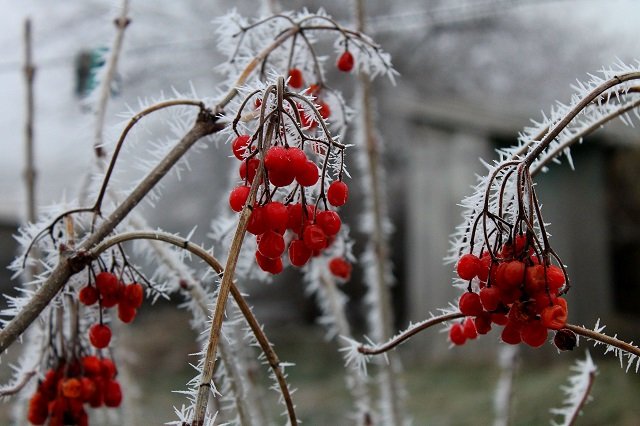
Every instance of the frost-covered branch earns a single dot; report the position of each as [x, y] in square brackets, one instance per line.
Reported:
[618, 347]
[577, 392]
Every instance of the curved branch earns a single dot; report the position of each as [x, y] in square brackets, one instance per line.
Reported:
[261, 337]
[408, 333]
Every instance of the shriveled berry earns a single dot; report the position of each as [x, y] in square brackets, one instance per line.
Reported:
[240, 145]
[337, 193]
[238, 197]
[456, 334]
[329, 221]
[88, 295]
[565, 339]
[468, 266]
[340, 268]
[555, 317]
[295, 78]
[470, 304]
[345, 61]
[314, 237]
[99, 335]
[535, 279]
[299, 253]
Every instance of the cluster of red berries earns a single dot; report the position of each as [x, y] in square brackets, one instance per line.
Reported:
[108, 292]
[517, 291]
[312, 230]
[62, 395]
[344, 63]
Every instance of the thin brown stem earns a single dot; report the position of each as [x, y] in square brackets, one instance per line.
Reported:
[603, 338]
[410, 332]
[19, 385]
[121, 24]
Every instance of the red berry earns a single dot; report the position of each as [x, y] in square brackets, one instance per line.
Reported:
[555, 317]
[499, 319]
[99, 335]
[257, 225]
[470, 304]
[71, 388]
[469, 328]
[340, 268]
[238, 197]
[107, 283]
[483, 323]
[299, 253]
[273, 266]
[251, 165]
[325, 111]
[112, 394]
[468, 266]
[314, 237]
[271, 245]
[456, 334]
[345, 61]
[534, 334]
[88, 295]
[511, 334]
[490, 298]
[534, 279]
[133, 295]
[337, 193]
[513, 274]
[107, 369]
[276, 216]
[91, 365]
[126, 312]
[555, 277]
[240, 145]
[329, 221]
[297, 159]
[308, 175]
[88, 388]
[485, 266]
[565, 340]
[281, 177]
[295, 78]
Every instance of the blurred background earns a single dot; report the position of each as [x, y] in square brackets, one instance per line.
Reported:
[472, 75]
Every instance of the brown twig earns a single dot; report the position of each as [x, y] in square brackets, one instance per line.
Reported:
[411, 331]
[583, 401]
[603, 338]
[19, 385]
